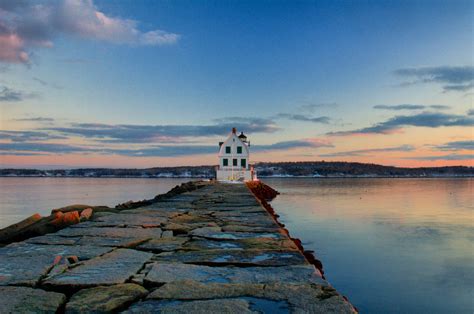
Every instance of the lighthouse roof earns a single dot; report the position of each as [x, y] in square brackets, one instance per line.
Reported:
[234, 140]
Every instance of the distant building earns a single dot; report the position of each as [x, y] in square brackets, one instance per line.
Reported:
[234, 159]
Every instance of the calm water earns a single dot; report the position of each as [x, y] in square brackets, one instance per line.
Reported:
[22, 197]
[389, 245]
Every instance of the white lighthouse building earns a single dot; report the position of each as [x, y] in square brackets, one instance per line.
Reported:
[234, 159]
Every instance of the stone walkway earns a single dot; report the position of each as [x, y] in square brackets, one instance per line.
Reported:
[212, 250]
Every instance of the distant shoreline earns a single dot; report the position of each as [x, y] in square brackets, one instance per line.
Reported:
[311, 169]
[263, 177]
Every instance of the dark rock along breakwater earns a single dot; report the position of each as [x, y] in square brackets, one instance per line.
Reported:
[217, 248]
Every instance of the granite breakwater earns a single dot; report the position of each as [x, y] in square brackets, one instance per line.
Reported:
[207, 248]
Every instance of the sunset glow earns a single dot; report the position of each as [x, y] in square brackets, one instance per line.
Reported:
[148, 84]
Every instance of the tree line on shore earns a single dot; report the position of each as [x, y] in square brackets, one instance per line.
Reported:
[264, 169]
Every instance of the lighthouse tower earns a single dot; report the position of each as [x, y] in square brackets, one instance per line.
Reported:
[234, 159]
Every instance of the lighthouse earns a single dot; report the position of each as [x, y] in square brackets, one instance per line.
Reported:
[234, 156]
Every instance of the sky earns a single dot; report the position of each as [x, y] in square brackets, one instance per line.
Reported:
[146, 84]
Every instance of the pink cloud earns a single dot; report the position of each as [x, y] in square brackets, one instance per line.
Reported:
[319, 142]
[12, 49]
[365, 134]
[82, 18]
[27, 25]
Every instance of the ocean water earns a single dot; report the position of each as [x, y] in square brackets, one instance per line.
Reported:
[389, 245]
[22, 197]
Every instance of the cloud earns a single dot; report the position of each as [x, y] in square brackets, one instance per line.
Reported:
[443, 157]
[300, 117]
[25, 24]
[34, 148]
[26, 136]
[44, 83]
[10, 95]
[84, 19]
[35, 119]
[40, 81]
[305, 113]
[424, 119]
[165, 151]
[312, 107]
[125, 133]
[248, 124]
[410, 107]
[21, 154]
[28, 147]
[440, 107]
[451, 78]
[12, 48]
[458, 87]
[399, 107]
[457, 145]
[31, 148]
[7, 94]
[285, 145]
[367, 152]
[157, 140]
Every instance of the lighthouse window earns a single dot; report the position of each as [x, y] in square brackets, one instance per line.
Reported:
[227, 149]
[239, 149]
[234, 162]
[225, 162]
[243, 163]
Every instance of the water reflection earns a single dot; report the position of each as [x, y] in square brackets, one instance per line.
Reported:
[390, 245]
[22, 197]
